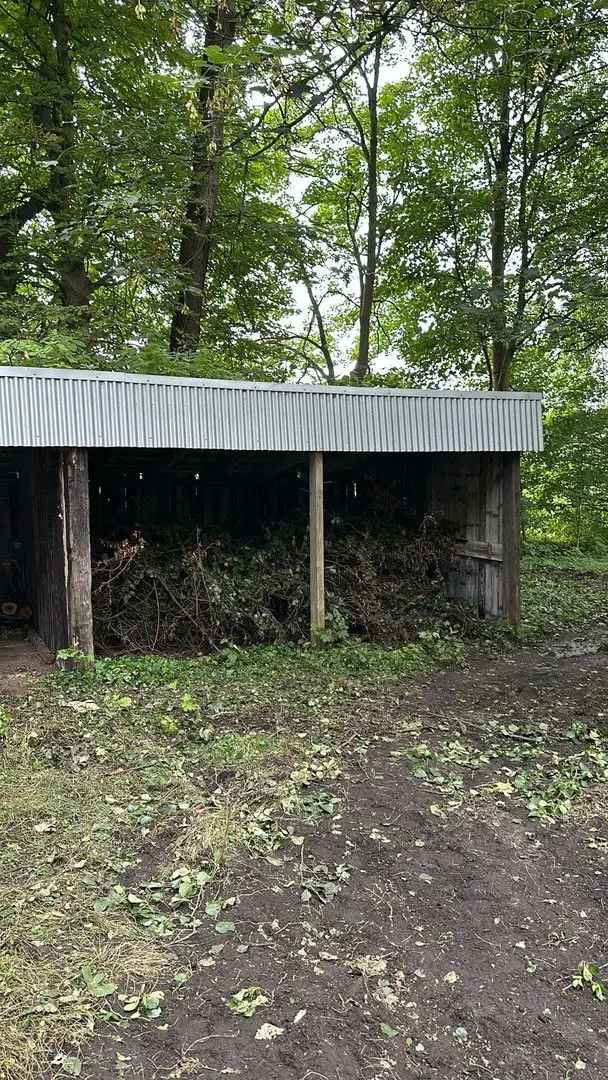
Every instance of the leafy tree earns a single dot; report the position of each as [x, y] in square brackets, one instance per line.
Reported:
[343, 215]
[501, 242]
[566, 488]
[144, 141]
[86, 115]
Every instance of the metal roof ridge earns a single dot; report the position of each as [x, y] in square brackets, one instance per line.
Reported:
[97, 375]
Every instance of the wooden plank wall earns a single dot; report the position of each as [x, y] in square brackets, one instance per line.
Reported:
[490, 571]
[511, 537]
[50, 601]
[465, 490]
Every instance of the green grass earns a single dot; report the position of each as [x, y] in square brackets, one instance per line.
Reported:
[262, 676]
[566, 557]
[561, 593]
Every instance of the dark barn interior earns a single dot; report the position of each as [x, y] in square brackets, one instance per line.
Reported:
[244, 493]
[241, 495]
[16, 584]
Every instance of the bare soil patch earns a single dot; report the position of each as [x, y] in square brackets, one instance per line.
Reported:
[426, 925]
[20, 658]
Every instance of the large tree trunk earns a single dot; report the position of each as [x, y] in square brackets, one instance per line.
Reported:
[54, 118]
[59, 117]
[200, 210]
[366, 304]
[501, 352]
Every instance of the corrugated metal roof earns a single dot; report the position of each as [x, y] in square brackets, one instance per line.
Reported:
[53, 407]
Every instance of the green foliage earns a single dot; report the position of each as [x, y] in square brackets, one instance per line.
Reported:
[525, 154]
[100, 122]
[96, 983]
[558, 596]
[61, 350]
[247, 1001]
[588, 977]
[540, 557]
[566, 488]
[573, 776]
[145, 1006]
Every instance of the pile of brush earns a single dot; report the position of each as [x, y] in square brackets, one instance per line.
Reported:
[173, 595]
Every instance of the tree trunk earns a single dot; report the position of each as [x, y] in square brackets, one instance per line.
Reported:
[366, 304]
[200, 211]
[75, 285]
[54, 115]
[501, 346]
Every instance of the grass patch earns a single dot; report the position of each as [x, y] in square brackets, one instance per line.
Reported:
[557, 597]
[565, 557]
[236, 678]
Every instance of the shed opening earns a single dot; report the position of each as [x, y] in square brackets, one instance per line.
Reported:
[64, 514]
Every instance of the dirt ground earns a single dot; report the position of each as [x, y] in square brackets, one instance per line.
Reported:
[450, 947]
[20, 658]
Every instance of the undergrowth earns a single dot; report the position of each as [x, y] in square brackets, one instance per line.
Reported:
[560, 595]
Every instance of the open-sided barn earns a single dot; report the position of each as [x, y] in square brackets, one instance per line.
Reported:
[85, 451]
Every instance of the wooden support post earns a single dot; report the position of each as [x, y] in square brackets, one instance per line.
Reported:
[60, 549]
[317, 546]
[77, 548]
[511, 537]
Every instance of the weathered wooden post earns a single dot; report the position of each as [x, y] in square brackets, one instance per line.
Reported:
[511, 537]
[77, 547]
[61, 549]
[317, 546]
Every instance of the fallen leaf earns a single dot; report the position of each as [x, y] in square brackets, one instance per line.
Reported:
[246, 1001]
[83, 706]
[269, 1031]
[388, 1031]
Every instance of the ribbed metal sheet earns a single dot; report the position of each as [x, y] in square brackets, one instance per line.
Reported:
[51, 407]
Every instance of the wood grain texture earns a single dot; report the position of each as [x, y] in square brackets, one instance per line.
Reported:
[78, 548]
[317, 545]
[511, 528]
[47, 549]
[58, 485]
